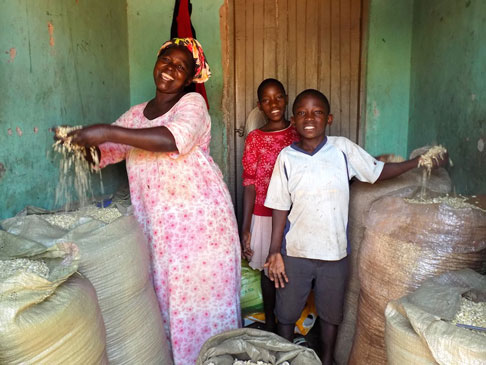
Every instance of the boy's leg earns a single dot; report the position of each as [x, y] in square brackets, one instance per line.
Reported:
[290, 300]
[268, 294]
[328, 334]
[330, 286]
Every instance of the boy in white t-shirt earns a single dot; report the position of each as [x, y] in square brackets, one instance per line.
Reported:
[310, 188]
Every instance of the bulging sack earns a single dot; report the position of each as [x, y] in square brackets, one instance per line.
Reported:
[49, 314]
[115, 257]
[420, 327]
[362, 195]
[255, 345]
[404, 244]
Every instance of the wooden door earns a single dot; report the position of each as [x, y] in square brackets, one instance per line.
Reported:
[304, 44]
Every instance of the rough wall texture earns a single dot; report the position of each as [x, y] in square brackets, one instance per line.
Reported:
[448, 88]
[388, 76]
[61, 62]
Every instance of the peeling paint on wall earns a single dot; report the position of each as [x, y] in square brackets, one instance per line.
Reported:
[36, 129]
[376, 112]
[19, 131]
[9, 131]
[2, 170]
[480, 145]
[50, 28]
[12, 52]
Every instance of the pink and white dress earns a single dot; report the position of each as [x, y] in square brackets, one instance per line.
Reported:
[185, 209]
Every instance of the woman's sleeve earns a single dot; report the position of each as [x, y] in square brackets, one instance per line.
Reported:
[112, 153]
[189, 123]
[250, 160]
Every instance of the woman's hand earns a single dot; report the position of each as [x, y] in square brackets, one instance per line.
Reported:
[245, 245]
[276, 270]
[93, 135]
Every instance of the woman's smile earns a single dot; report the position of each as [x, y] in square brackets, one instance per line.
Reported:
[166, 77]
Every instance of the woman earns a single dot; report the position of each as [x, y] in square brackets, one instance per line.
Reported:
[180, 200]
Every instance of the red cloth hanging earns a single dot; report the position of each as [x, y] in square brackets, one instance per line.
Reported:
[184, 30]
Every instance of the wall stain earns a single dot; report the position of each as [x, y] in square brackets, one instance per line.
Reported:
[19, 131]
[50, 28]
[12, 52]
[3, 170]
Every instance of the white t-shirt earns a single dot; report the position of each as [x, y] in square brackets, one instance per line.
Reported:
[315, 188]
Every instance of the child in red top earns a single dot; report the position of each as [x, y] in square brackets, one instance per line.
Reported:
[262, 147]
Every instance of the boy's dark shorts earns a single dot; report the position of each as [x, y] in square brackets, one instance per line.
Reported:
[327, 278]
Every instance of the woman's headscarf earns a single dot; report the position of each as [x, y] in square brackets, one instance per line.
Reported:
[202, 71]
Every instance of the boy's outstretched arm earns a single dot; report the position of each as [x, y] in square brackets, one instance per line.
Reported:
[275, 264]
[393, 169]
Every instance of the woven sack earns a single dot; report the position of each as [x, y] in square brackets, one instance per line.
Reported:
[418, 328]
[115, 258]
[255, 345]
[362, 195]
[48, 320]
[404, 244]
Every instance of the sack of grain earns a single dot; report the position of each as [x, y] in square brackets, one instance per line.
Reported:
[362, 195]
[49, 314]
[421, 327]
[405, 243]
[114, 256]
[255, 345]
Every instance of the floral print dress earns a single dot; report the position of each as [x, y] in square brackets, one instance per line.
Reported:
[184, 207]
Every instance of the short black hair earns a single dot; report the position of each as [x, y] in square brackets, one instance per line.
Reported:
[311, 92]
[266, 82]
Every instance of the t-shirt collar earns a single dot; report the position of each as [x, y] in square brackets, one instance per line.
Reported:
[317, 149]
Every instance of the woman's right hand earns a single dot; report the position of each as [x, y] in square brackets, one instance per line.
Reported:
[276, 270]
[92, 135]
[245, 245]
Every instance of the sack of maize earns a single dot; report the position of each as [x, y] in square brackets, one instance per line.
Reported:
[249, 344]
[406, 242]
[114, 256]
[49, 314]
[425, 327]
[362, 195]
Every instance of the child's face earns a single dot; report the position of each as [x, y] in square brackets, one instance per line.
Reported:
[311, 117]
[273, 102]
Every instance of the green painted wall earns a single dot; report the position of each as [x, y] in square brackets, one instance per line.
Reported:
[388, 76]
[149, 23]
[448, 87]
[61, 62]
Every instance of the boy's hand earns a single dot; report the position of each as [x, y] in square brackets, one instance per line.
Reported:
[441, 161]
[245, 245]
[276, 270]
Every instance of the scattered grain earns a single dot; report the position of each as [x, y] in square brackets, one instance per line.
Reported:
[11, 267]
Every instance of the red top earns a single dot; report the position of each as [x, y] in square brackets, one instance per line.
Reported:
[261, 151]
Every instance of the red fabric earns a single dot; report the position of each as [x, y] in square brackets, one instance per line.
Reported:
[259, 156]
[184, 31]
[184, 20]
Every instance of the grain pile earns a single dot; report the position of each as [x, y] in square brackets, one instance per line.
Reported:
[472, 314]
[13, 266]
[74, 168]
[69, 220]
[405, 244]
